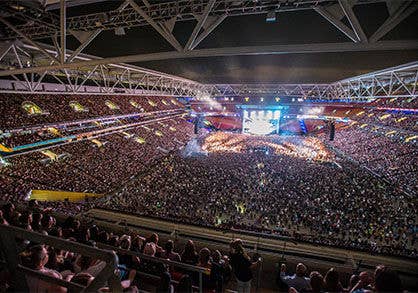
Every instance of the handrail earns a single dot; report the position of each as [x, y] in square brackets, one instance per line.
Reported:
[188, 267]
[49, 279]
[8, 235]
[156, 259]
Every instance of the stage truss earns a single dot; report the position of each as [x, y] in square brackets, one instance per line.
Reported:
[31, 65]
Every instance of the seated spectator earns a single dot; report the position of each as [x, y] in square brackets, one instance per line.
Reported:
[137, 243]
[126, 261]
[189, 254]
[298, 280]
[169, 253]
[218, 272]
[204, 258]
[151, 246]
[39, 258]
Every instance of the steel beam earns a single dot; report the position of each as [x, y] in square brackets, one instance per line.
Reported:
[26, 38]
[199, 25]
[402, 13]
[208, 30]
[230, 51]
[5, 50]
[162, 11]
[349, 13]
[337, 23]
[63, 30]
[84, 44]
[167, 36]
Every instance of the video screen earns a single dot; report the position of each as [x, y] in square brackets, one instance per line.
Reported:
[260, 122]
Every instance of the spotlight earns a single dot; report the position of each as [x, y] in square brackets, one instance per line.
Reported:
[271, 16]
[119, 31]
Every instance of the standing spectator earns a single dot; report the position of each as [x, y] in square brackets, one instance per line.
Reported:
[387, 280]
[332, 281]
[242, 266]
[317, 282]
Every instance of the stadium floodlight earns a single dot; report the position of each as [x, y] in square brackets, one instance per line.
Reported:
[271, 16]
[120, 31]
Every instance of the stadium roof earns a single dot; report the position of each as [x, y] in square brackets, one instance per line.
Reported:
[227, 41]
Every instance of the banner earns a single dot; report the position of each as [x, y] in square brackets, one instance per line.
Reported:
[54, 195]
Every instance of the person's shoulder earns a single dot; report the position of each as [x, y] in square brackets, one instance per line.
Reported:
[52, 273]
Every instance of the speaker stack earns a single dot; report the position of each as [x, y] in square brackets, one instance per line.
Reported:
[331, 130]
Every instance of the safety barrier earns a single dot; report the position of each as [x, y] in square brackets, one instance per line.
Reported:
[8, 246]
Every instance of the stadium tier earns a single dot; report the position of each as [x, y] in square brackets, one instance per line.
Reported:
[356, 192]
[208, 146]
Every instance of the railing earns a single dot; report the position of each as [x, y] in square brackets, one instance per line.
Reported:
[8, 246]
[187, 267]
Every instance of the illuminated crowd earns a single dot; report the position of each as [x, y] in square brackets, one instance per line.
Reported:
[392, 159]
[320, 201]
[139, 255]
[85, 166]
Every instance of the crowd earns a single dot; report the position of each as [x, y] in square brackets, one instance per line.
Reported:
[408, 103]
[222, 270]
[390, 119]
[322, 202]
[291, 186]
[56, 108]
[96, 167]
[394, 160]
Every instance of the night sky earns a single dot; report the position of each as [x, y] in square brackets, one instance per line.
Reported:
[290, 28]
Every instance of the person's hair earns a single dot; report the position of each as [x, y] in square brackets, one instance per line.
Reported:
[332, 280]
[317, 281]
[24, 218]
[113, 240]
[300, 269]
[169, 246]
[125, 242]
[204, 256]
[238, 247]
[94, 232]
[189, 248]
[153, 238]
[36, 221]
[45, 221]
[32, 203]
[56, 231]
[7, 210]
[388, 280]
[37, 255]
[216, 256]
[68, 223]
